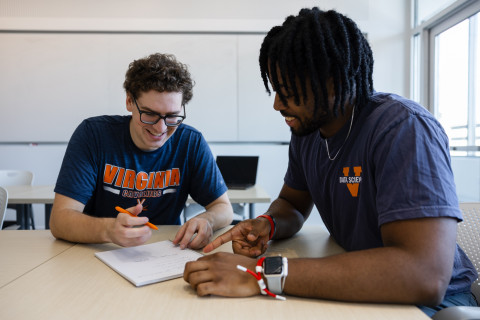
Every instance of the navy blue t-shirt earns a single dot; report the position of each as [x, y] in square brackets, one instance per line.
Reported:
[103, 168]
[395, 165]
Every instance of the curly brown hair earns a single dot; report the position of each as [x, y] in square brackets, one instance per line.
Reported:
[159, 72]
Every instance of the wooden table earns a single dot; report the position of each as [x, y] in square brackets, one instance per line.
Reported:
[45, 195]
[22, 195]
[69, 282]
[23, 251]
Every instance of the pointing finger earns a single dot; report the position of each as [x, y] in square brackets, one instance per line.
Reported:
[220, 240]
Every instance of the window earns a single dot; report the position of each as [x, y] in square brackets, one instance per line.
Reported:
[415, 68]
[455, 83]
[426, 9]
[445, 70]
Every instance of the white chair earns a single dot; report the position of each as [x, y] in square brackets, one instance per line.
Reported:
[3, 205]
[468, 238]
[17, 178]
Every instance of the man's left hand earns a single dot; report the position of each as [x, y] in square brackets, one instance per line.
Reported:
[217, 274]
[196, 233]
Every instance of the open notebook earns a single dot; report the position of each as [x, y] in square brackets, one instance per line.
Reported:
[149, 263]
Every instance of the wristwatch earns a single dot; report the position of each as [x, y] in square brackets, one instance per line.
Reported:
[275, 270]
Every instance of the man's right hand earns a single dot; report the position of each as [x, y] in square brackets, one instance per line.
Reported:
[128, 231]
[249, 238]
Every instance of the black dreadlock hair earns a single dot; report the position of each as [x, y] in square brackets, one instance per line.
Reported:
[318, 45]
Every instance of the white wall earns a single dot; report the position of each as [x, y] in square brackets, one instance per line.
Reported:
[385, 22]
[222, 67]
[43, 160]
[467, 172]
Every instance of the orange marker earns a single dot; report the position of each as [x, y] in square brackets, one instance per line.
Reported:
[128, 212]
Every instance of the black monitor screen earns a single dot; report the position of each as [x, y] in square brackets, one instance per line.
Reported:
[238, 170]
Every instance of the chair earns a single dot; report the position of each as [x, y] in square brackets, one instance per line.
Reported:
[17, 178]
[468, 238]
[3, 205]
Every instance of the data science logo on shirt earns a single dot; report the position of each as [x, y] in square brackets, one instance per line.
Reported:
[352, 182]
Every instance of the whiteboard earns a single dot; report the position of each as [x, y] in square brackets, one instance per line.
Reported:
[50, 82]
[256, 116]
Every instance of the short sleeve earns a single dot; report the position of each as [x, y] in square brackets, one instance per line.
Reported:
[412, 169]
[295, 175]
[207, 182]
[78, 173]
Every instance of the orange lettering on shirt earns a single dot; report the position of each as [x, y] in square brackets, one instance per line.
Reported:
[353, 187]
[151, 178]
[175, 177]
[141, 181]
[109, 174]
[168, 173]
[129, 181]
[358, 171]
[159, 180]
[120, 175]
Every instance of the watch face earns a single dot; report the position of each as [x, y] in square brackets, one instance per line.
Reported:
[273, 265]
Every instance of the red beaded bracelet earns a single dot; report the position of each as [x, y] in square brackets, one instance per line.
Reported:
[272, 224]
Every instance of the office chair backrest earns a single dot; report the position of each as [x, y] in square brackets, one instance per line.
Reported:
[3, 205]
[10, 178]
[468, 237]
[15, 178]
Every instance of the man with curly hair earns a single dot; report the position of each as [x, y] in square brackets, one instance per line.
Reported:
[147, 162]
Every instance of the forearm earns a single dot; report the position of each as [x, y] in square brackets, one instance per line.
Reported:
[218, 215]
[290, 210]
[387, 274]
[414, 266]
[71, 225]
[380, 275]
[288, 220]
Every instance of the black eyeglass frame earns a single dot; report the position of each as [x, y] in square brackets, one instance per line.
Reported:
[164, 118]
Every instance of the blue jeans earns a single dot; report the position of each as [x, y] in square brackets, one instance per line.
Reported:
[458, 299]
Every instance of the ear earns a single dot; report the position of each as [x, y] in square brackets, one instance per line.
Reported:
[129, 103]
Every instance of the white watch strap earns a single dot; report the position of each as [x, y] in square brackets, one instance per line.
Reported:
[274, 284]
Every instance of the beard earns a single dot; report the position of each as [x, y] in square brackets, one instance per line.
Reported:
[307, 126]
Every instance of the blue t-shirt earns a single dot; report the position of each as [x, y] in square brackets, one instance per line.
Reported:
[395, 165]
[103, 168]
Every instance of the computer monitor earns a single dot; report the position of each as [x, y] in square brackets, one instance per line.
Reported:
[239, 172]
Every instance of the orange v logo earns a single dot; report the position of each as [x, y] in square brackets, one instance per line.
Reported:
[353, 186]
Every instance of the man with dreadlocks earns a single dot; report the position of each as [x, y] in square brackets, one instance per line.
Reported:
[375, 165]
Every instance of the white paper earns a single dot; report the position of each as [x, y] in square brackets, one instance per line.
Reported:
[149, 263]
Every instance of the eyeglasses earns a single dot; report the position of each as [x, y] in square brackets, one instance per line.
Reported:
[171, 120]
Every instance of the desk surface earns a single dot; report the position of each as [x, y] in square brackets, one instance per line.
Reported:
[74, 284]
[45, 194]
[22, 251]
[30, 194]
